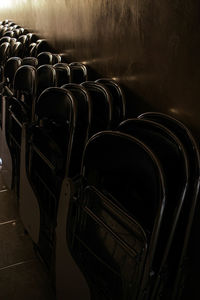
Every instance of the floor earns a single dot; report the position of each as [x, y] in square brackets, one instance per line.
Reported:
[22, 275]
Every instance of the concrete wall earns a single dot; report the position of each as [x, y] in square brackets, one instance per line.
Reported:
[151, 47]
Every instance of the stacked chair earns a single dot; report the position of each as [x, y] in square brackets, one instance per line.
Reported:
[63, 73]
[20, 111]
[105, 231]
[111, 204]
[178, 265]
[171, 154]
[10, 68]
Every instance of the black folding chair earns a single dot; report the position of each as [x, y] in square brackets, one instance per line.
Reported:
[183, 277]
[17, 49]
[56, 58]
[101, 107]
[5, 39]
[116, 214]
[4, 55]
[46, 77]
[45, 58]
[32, 37]
[119, 102]
[9, 33]
[60, 130]
[32, 50]
[78, 72]
[171, 154]
[63, 73]
[23, 39]
[41, 46]
[4, 29]
[82, 131]
[4, 52]
[16, 32]
[20, 111]
[11, 66]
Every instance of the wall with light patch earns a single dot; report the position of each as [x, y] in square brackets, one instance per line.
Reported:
[150, 47]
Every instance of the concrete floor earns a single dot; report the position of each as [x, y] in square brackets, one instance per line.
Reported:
[22, 275]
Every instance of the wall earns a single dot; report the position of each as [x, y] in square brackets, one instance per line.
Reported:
[151, 47]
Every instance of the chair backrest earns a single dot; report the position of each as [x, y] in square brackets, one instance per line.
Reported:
[9, 33]
[23, 31]
[20, 110]
[63, 73]
[51, 110]
[23, 39]
[15, 26]
[4, 52]
[31, 61]
[45, 58]
[4, 39]
[32, 50]
[16, 32]
[81, 129]
[47, 106]
[117, 215]
[32, 38]
[184, 135]
[3, 30]
[12, 41]
[46, 77]
[63, 111]
[17, 49]
[25, 87]
[101, 107]
[41, 46]
[11, 66]
[56, 58]
[56, 112]
[119, 103]
[78, 72]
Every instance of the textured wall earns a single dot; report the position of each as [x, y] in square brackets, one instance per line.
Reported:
[152, 47]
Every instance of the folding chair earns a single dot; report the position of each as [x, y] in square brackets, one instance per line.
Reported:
[115, 215]
[119, 102]
[20, 111]
[46, 77]
[78, 72]
[183, 277]
[63, 73]
[45, 58]
[172, 156]
[59, 131]
[102, 106]
[12, 64]
[17, 49]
